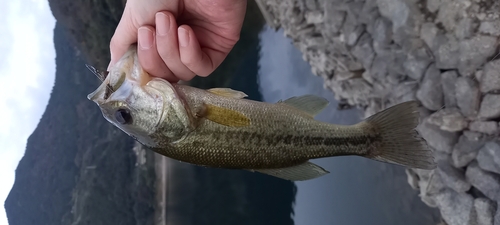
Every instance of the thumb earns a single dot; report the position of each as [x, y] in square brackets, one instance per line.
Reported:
[124, 36]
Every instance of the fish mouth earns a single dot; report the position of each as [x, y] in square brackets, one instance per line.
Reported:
[98, 95]
[120, 73]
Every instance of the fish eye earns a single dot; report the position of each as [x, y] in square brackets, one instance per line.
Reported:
[123, 116]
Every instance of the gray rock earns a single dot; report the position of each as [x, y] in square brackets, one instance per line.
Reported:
[497, 216]
[466, 149]
[428, 200]
[448, 119]
[396, 68]
[428, 182]
[487, 127]
[474, 52]
[431, 92]
[489, 157]
[479, 74]
[363, 50]
[397, 11]
[438, 139]
[356, 90]
[485, 210]
[314, 16]
[455, 207]
[453, 177]
[449, 13]
[334, 18]
[382, 31]
[424, 113]
[468, 96]
[404, 92]
[465, 28]
[473, 136]
[311, 4]
[428, 33]
[442, 157]
[490, 107]
[490, 27]
[433, 5]
[490, 80]
[353, 37]
[355, 8]
[413, 179]
[486, 182]
[416, 63]
[369, 13]
[448, 81]
[445, 49]
[433, 185]
[378, 69]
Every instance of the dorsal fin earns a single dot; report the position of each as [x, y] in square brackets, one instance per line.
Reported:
[309, 104]
[227, 92]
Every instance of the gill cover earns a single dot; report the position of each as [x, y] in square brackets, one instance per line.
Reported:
[138, 104]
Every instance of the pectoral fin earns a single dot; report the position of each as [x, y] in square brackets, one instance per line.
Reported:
[310, 104]
[227, 92]
[304, 171]
[224, 116]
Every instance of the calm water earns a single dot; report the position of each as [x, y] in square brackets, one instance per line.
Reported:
[358, 190]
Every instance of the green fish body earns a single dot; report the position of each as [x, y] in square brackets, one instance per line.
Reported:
[220, 128]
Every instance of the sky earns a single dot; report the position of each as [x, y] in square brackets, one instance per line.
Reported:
[27, 74]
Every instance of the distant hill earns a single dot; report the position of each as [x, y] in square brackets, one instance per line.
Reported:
[54, 176]
[79, 169]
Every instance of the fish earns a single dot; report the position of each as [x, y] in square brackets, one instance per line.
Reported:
[221, 128]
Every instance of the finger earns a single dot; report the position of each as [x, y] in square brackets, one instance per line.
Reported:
[148, 55]
[168, 45]
[125, 35]
[201, 61]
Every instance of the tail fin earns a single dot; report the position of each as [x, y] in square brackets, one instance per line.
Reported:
[402, 144]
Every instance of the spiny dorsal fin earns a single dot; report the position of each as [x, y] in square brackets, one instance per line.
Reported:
[227, 92]
[304, 171]
[226, 117]
[310, 104]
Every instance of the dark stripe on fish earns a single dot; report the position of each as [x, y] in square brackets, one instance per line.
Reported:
[274, 140]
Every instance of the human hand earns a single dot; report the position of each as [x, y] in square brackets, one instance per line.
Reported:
[209, 30]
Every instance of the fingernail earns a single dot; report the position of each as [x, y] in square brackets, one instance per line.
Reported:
[183, 37]
[145, 38]
[162, 23]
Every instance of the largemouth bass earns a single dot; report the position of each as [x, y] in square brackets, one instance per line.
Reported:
[220, 128]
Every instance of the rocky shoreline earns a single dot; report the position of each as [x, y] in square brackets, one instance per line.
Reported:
[377, 53]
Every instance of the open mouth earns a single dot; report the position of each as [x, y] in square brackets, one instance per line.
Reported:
[103, 90]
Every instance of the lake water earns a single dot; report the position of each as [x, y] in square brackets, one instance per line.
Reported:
[357, 190]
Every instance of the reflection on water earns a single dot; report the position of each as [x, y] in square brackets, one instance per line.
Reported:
[358, 190]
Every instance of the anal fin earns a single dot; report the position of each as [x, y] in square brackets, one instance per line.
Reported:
[304, 171]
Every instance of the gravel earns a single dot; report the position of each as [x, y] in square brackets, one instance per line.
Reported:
[489, 80]
[468, 96]
[486, 182]
[485, 211]
[490, 107]
[374, 54]
[488, 157]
